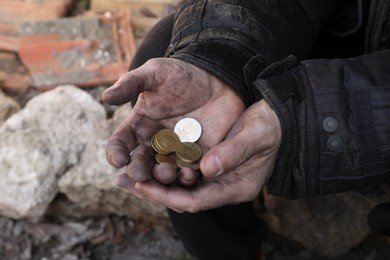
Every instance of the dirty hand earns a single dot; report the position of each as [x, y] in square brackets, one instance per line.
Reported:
[167, 90]
[236, 169]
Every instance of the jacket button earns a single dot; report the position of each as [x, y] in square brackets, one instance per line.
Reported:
[334, 143]
[330, 124]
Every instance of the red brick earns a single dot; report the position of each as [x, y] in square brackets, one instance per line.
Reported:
[17, 11]
[55, 59]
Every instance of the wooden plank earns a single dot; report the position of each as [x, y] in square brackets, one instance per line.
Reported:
[144, 23]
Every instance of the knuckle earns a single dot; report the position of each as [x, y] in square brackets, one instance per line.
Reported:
[193, 209]
[153, 63]
[122, 78]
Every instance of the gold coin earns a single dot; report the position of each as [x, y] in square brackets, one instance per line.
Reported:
[156, 146]
[161, 158]
[160, 148]
[166, 141]
[153, 144]
[188, 152]
[195, 165]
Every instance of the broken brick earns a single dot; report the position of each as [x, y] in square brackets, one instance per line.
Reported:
[83, 51]
[15, 12]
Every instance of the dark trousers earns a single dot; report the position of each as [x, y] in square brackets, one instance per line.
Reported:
[230, 232]
[379, 219]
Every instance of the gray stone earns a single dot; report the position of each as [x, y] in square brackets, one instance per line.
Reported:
[39, 144]
[328, 225]
[91, 185]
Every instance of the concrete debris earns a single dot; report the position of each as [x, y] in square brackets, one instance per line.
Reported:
[57, 45]
[15, 12]
[83, 51]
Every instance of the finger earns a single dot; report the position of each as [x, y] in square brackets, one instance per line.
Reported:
[117, 153]
[142, 162]
[165, 173]
[129, 85]
[119, 146]
[125, 182]
[257, 131]
[188, 177]
[229, 154]
[206, 196]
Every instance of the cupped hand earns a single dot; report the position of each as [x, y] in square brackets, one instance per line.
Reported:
[168, 90]
[236, 169]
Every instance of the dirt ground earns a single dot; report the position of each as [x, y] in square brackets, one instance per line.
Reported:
[110, 237]
[120, 238]
[58, 236]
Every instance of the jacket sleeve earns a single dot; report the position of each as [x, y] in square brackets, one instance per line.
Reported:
[335, 117]
[222, 36]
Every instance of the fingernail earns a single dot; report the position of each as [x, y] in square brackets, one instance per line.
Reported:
[105, 93]
[123, 181]
[215, 165]
[187, 178]
[119, 160]
[138, 186]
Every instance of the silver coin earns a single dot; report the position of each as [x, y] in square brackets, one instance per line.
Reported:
[188, 129]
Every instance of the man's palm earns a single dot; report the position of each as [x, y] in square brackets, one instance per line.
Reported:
[167, 91]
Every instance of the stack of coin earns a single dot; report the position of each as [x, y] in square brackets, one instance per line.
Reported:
[165, 141]
[188, 154]
[171, 148]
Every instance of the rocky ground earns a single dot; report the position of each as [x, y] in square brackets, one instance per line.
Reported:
[120, 238]
[110, 237]
[332, 227]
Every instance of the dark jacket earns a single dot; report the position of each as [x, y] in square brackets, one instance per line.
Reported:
[335, 113]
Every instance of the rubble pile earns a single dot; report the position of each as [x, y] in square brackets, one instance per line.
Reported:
[57, 194]
[54, 42]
